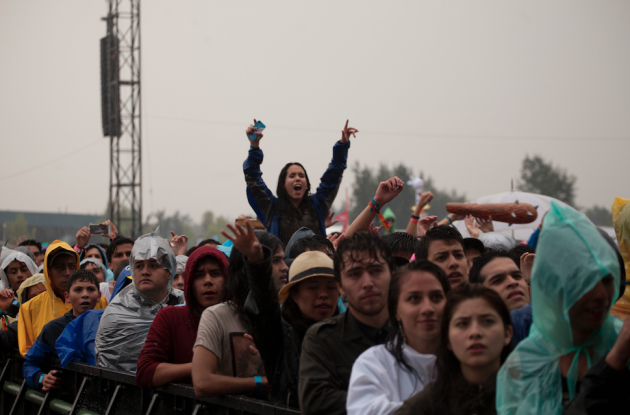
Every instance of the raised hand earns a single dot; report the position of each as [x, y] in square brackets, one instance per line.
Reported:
[425, 198]
[374, 229]
[388, 190]
[347, 132]
[424, 224]
[252, 130]
[527, 262]
[83, 237]
[328, 222]
[179, 243]
[471, 225]
[6, 298]
[245, 241]
[114, 230]
[335, 239]
[486, 224]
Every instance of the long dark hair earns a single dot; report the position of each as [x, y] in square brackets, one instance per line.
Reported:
[397, 337]
[292, 314]
[237, 285]
[448, 367]
[284, 203]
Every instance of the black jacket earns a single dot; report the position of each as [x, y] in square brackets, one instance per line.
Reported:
[275, 339]
[603, 390]
[9, 338]
[329, 350]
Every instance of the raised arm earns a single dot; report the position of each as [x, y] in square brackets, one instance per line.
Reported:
[412, 227]
[385, 192]
[330, 181]
[260, 198]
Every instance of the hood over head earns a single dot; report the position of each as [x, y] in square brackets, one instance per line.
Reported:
[571, 258]
[153, 246]
[181, 263]
[30, 282]
[55, 248]
[8, 256]
[25, 250]
[95, 262]
[388, 213]
[303, 232]
[101, 250]
[198, 255]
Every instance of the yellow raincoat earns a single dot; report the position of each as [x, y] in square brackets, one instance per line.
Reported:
[34, 314]
[621, 221]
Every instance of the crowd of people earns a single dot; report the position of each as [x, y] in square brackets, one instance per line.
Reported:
[369, 321]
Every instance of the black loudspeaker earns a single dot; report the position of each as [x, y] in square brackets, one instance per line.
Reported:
[110, 87]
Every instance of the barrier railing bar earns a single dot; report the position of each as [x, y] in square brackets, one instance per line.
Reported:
[44, 403]
[18, 398]
[76, 400]
[197, 409]
[112, 402]
[153, 403]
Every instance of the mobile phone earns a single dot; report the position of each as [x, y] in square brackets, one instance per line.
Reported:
[99, 229]
[259, 127]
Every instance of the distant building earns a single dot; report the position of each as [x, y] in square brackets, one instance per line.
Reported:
[46, 227]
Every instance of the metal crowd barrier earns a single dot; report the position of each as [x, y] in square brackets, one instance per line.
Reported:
[90, 390]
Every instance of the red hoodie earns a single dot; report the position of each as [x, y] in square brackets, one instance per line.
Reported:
[174, 331]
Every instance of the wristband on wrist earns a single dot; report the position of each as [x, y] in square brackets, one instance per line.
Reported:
[413, 220]
[258, 381]
[41, 379]
[449, 219]
[251, 147]
[415, 217]
[77, 249]
[374, 207]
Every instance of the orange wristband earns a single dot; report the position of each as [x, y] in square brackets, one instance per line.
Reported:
[380, 216]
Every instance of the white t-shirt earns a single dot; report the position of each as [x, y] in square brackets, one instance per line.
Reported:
[379, 385]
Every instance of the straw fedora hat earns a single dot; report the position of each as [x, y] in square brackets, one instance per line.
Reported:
[307, 265]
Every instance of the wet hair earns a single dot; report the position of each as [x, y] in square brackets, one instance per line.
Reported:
[283, 204]
[120, 268]
[32, 242]
[237, 285]
[401, 242]
[474, 276]
[82, 275]
[312, 243]
[447, 366]
[396, 337]
[517, 252]
[438, 233]
[358, 243]
[119, 240]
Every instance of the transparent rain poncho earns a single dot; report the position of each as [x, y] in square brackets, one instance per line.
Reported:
[571, 258]
[10, 256]
[181, 263]
[125, 323]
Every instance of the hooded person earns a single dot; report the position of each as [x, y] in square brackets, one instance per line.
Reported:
[12, 275]
[178, 281]
[30, 288]
[59, 262]
[168, 351]
[125, 323]
[576, 273]
[390, 217]
[15, 268]
[97, 267]
[95, 251]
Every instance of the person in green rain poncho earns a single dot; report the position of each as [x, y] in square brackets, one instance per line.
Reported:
[575, 280]
[390, 216]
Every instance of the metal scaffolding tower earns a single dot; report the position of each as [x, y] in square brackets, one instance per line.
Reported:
[121, 109]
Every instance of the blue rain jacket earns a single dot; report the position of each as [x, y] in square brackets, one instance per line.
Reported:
[76, 343]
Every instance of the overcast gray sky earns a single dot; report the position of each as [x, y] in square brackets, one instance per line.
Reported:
[461, 90]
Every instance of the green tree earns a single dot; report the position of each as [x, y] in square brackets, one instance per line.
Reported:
[19, 227]
[211, 226]
[541, 177]
[367, 180]
[600, 215]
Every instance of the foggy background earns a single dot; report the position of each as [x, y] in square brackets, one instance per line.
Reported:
[460, 90]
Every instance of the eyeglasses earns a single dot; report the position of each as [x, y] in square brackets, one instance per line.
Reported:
[71, 266]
